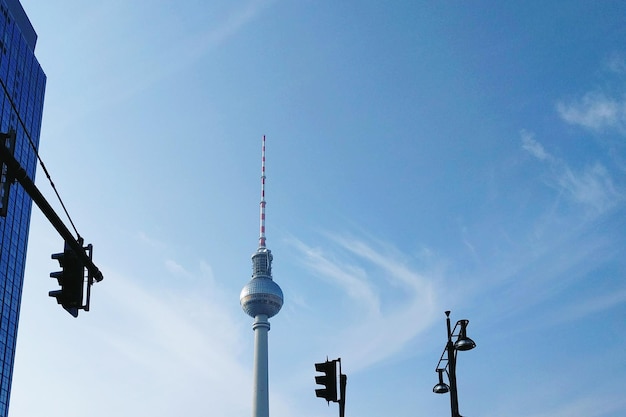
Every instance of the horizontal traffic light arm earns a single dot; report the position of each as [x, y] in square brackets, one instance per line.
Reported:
[21, 176]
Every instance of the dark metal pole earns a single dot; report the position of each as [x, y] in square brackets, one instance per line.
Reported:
[343, 380]
[454, 399]
[21, 175]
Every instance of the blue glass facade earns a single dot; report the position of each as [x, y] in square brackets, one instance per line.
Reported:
[22, 85]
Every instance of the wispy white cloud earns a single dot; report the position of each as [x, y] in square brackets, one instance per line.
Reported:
[229, 26]
[388, 261]
[592, 187]
[616, 63]
[350, 278]
[382, 269]
[595, 111]
[533, 147]
[150, 241]
[167, 317]
[189, 335]
[190, 50]
[153, 348]
[592, 305]
[141, 70]
[175, 268]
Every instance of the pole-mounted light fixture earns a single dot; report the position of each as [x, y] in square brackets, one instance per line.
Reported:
[463, 342]
[441, 387]
[447, 361]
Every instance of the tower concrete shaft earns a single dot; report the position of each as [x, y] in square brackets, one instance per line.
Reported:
[260, 388]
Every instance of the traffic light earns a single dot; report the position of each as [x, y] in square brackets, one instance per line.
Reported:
[71, 279]
[328, 380]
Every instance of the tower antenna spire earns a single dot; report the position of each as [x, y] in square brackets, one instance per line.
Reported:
[262, 205]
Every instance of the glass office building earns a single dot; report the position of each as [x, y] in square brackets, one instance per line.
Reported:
[22, 85]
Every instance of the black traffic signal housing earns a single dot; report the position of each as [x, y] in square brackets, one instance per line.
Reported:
[71, 279]
[328, 380]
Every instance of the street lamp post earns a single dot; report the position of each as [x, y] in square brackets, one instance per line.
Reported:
[447, 361]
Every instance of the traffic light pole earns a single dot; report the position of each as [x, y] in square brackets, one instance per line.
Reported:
[20, 174]
[343, 380]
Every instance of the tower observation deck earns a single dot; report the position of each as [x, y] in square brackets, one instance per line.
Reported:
[261, 295]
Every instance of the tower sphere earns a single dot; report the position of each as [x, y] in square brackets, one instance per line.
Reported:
[261, 295]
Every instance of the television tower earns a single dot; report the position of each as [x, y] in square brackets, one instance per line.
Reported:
[261, 298]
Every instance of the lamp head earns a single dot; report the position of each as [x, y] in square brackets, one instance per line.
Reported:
[441, 388]
[463, 342]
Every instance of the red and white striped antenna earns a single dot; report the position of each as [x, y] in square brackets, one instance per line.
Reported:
[262, 206]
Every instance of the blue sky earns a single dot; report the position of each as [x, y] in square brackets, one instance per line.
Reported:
[421, 157]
